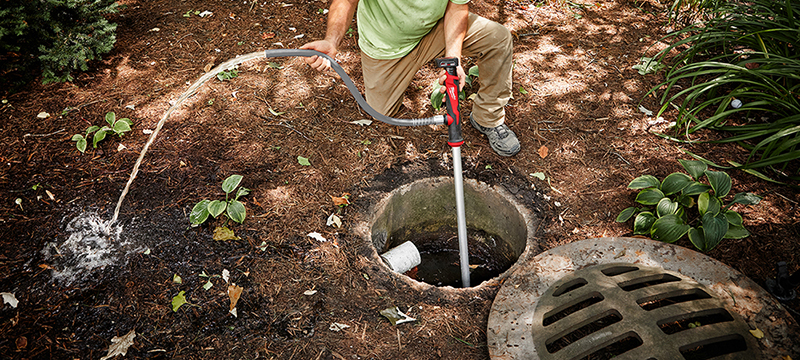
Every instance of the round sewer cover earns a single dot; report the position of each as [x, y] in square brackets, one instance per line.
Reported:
[629, 311]
[523, 302]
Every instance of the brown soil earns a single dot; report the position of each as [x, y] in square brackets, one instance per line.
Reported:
[575, 96]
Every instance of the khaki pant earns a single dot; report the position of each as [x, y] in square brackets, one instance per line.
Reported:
[386, 80]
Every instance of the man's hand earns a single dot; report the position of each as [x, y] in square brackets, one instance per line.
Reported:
[462, 79]
[323, 46]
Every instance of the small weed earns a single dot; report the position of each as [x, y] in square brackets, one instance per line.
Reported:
[233, 209]
[117, 126]
[366, 142]
[227, 74]
[350, 32]
[673, 199]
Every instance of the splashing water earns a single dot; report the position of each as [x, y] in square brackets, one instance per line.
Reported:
[189, 92]
[92, 244]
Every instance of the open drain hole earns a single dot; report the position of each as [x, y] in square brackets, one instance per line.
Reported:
[594, 324]
[571, 308]
[693, 320]
[711, 348]
[626, 342]
[673, 297]
[423, 212]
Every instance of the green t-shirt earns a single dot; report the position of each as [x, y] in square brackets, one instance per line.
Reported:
[389, 29]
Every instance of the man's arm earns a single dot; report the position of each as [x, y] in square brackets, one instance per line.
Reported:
[340, 15]
[455, 29]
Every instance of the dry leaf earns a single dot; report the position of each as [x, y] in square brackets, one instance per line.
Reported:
[234, 292]
[340, 201]
[10, 299]
[50, 195]
[222, 233]
[757, 333]
[120, 345]
[338, 327]
[334, 220]
[543, 151]
[208, 67]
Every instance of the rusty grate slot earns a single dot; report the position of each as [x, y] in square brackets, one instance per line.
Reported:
[629, 341]
[606, 311]
[694, 320]
[646, 281]
[572, 285]
[670, 298]
[611, 317]
[711, 348]
[619, 270]
[573, 307]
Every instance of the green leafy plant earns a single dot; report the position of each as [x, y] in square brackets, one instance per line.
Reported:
[227, 74]
[736, 72]
[116, 126]
[232, 208]
[681, 201]
[437, 97]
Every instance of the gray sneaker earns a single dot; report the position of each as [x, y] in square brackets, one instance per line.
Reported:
[503, 141]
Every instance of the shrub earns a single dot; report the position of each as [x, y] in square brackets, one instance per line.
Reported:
[673, 199]
[742, 62]
[58, 36]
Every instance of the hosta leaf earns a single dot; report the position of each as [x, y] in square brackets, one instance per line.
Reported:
[720, 182]
[111, 117]
[216, 207]
[714, 229]
[685, 200]
[437, 97]
[231, 183]
[649, 196]
[643, 223]
[695, 188]
[121, 127]
[99, 136]
[236, 211]
[695, 168]
[666, 207]
[626, 214]
[241, 192]
[736, 232]
[199, 213]
[708, 203]
[675, 182]
[697, 238]
[643, 182]
[669, 229]
[81, 142]
[746, 199]
[92, 129]
[473, 71]
[733, 218]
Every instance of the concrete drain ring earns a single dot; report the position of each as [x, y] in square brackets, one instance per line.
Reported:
[512, 317]
[500, 229]
[636, 312]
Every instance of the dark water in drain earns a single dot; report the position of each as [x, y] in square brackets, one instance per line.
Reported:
[489, 255]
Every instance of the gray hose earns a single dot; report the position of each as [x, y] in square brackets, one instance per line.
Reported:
[434, 120]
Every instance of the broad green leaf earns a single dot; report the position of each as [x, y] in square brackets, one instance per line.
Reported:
[92, 129]
[737, 232]
[81, 145]
[241, 192]
[437, 97]
[121, 127]
[666, 207]
[77, 137]
[669, 229]
[231, 183]
[697, 238]
[643, 223]
[649, 196]
[236, 211]
[626, 214]
[216, 207]
[695, 188]
[720, 182]
[674, 183]
[714, 229]
[708, 203]
[746, 199]
[695, 168]
[129, 121]
[473, 71]
[178, 301]
[99, 136]
[208, 285]
[303, 161]
[643, 182]
[685, 200]
[733, 218]
[199, 213]
[111, 117]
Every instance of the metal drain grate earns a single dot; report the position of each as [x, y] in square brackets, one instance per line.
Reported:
[628, 311]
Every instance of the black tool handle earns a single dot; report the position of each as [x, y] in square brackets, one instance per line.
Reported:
[451, 83]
